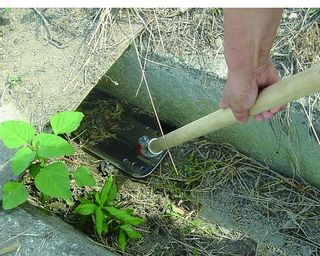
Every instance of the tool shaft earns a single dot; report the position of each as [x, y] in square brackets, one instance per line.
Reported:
[281, 93]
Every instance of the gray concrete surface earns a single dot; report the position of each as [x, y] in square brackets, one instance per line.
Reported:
[183, 94]
[29, 231]
[5, 166]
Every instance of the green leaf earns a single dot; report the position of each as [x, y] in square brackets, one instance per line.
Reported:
[14, 194]
[53, 180]
[50, 145]
[123, 216]
[105, 227]
[99, 221]
[66, 122]
[21, 160]
[105, 190]
[122, 240]
[83, 200]
[86, 209]
[16, 133]
[34, 170]
[131, 232]
[83, 177]
[98, 200]
[112, 194]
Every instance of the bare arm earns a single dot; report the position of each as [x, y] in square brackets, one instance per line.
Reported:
[249, 35]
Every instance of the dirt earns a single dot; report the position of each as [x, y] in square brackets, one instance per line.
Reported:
[55, 57]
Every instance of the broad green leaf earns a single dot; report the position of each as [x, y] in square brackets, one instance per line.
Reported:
[83, 177]
[16, 133]
[131, 232]
[112, 194]
[123, 216]
[86, 209]
[105, 190]
[66, 122]
[99, 220]
[21, 160]
[14, 194]
[50, 145]
[53, 180]
[122, 240]
[34, 170]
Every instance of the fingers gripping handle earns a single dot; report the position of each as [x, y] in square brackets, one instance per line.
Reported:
[281, 93]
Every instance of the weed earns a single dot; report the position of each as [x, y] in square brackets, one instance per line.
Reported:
[108, 217]
[314, 11]
[217, 11]
[14, 80]
[6, 10]
[36, 156]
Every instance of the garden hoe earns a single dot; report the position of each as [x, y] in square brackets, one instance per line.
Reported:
[139, 154]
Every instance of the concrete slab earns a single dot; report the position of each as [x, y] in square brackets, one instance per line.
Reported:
[29, 231]
[5, 166]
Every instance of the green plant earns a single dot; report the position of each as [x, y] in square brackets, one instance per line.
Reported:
[5, 10]
[314, 11]
[37, 153]
[107, 216]
[14, 80]
[217, 11]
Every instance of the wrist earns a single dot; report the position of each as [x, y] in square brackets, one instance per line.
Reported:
[248, 64]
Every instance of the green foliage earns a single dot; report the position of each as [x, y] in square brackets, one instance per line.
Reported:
[51, 145]
[66, 122]
[123, 216]
[83, 177]
[217, 11]
[14, 194]
[22, 159]
[109, 217]
[53, 180]
[14, 80]
[5, 10]
[314, 11]
[34, 153]
[16, 133]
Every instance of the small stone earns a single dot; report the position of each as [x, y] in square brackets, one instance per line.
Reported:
[293, 16]
[218, 42]
[225, 230]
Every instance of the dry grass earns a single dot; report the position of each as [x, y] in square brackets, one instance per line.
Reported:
[293, 205]
[171, 201]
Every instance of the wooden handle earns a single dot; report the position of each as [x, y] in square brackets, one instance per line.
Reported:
[281, 93]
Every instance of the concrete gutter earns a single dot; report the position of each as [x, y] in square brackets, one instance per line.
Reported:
[183, 93]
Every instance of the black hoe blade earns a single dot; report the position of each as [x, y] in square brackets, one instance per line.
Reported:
[111, 130]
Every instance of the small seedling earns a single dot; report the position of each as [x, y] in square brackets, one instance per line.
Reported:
[36, 156]
[14, 80]
[108, 217]
[5, 10]
[217, 11]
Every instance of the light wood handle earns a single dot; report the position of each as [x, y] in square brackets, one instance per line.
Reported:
[281, 93]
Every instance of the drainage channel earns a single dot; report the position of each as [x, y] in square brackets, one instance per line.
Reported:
[111, 130]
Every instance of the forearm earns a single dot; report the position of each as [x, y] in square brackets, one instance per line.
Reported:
[249, 35]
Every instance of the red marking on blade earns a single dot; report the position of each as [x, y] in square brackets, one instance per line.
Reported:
[139, 149]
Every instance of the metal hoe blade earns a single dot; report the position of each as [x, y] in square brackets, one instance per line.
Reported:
[111, 130]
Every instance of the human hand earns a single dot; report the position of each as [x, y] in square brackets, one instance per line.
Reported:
[242, 88]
